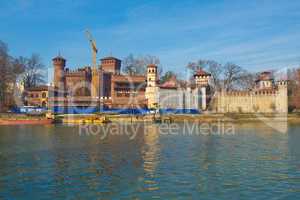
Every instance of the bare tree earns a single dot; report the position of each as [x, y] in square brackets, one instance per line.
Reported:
[10, 68]
[246, 81]
[293, 76]
[33, 74]
[137, 65]
[167, 76]
[4, 73]
[232, 75]
[19, 65]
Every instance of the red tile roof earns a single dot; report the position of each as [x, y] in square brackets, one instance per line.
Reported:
[170, 84]
[265, 76]
[151, 65]
[201, 72]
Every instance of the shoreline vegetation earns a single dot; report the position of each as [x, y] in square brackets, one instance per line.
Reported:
[19, 119]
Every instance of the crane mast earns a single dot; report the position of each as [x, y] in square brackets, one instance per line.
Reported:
[93, 47]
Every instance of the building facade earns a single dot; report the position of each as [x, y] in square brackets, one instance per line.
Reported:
[37, 96]
[95, 87]
[175, 95]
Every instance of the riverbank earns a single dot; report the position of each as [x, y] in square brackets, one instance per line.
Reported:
[22, 119]
[115, 118]
[11, 119]
[230, 117]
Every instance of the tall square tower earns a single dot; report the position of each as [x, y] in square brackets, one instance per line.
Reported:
[111, 65]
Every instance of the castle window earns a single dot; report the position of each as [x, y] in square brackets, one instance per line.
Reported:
[44, 95]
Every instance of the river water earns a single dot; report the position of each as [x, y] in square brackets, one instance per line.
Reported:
[140, 162]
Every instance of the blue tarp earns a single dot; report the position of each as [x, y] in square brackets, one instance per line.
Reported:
[178, 111]
[28, 110]
[136, 111]
[90, 110]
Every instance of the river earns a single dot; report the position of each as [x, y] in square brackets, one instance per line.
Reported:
[140, 162]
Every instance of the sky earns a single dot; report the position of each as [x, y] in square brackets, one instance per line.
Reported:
[257, 35]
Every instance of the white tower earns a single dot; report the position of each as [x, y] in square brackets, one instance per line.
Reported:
[202, 80]
[152, 87]
[152, 76]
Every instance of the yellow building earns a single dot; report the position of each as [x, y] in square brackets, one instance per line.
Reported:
[37, 96]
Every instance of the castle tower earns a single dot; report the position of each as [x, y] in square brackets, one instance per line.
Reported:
[59, 64]
[202, 78]
[111, 65]
[152, 76]
[202, 81]
[282, 97]
[152, 89]
[265, 81]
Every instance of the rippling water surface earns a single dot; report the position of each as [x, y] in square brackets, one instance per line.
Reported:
[55, 162]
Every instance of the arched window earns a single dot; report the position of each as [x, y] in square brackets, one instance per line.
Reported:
[44, 95]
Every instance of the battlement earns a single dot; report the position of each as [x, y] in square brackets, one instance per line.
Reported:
[265, 92]
[251, 93]
[237, 93]
[282, 83]
[78, 71]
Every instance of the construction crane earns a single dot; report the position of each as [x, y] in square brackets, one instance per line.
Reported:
[94, 48]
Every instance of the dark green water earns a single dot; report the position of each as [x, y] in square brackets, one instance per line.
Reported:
[55, 162]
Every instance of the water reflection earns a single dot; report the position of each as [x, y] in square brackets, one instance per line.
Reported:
[57, 163]
[151, 156]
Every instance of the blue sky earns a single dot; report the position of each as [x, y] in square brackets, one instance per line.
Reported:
[258, 35]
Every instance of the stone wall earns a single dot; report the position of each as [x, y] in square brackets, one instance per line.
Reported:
[271, 101]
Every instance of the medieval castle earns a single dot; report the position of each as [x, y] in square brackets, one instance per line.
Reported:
[106, 87]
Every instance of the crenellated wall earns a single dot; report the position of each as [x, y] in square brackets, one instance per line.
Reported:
[257, 101]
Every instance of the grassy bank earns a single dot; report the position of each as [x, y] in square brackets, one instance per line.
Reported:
[294, 117]
[233, 117]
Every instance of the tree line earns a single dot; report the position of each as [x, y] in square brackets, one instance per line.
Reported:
[17, 72]
[227, 77]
